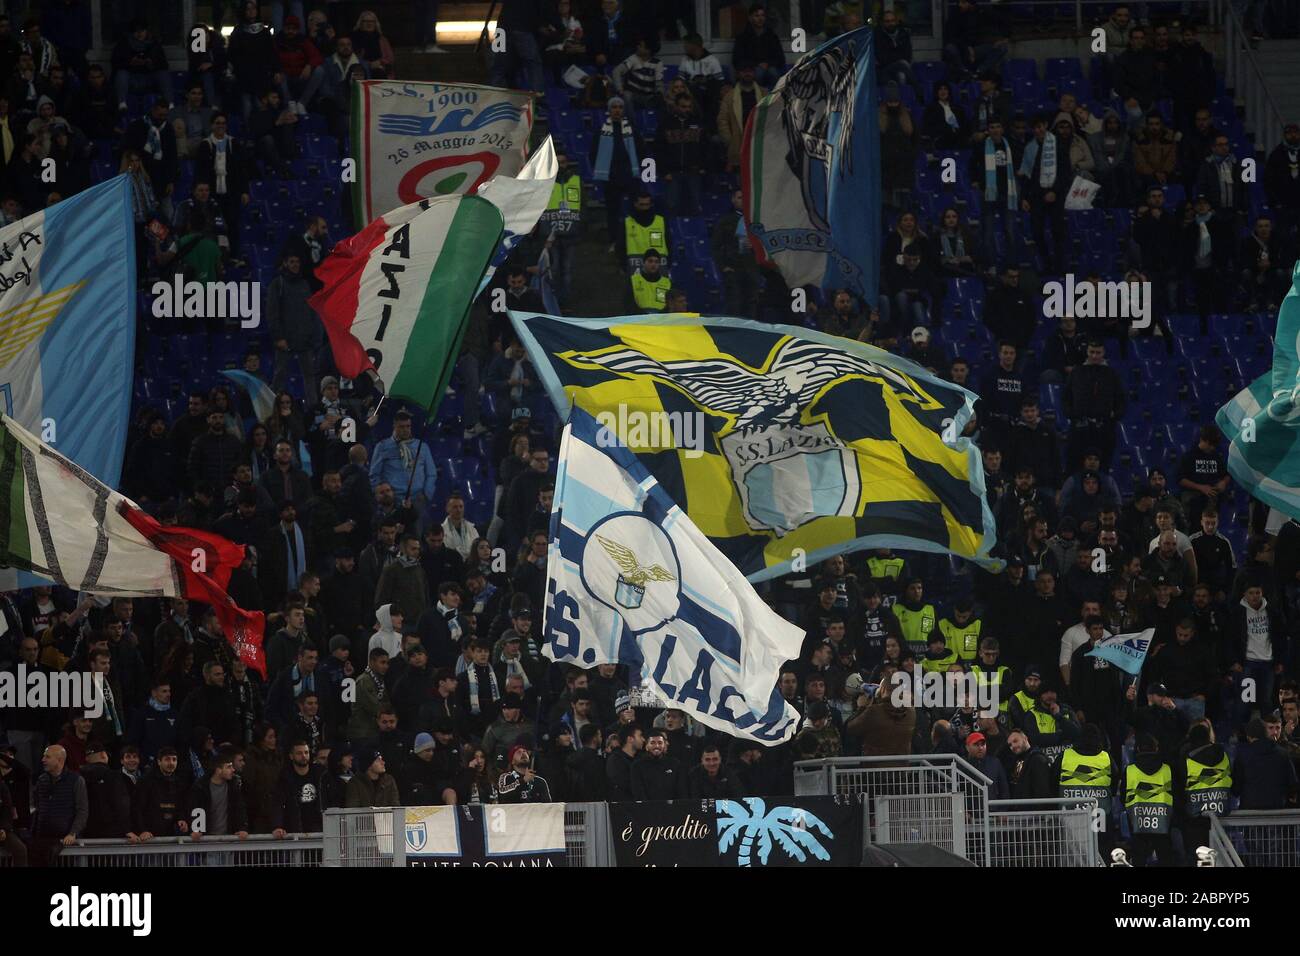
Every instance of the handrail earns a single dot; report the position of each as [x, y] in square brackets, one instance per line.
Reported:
[1221, 843]
[1242, 72]
[945, 761]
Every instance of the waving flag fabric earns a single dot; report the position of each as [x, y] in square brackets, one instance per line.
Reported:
[60, 522]
[397, 295]
[67, 329]
[804, 444]
[810, 170]
[1126, 651]
[1262, 423]
[631, 580]
[522, 199]
[259, 393]
[415, 141]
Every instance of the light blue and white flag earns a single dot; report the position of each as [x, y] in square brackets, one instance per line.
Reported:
[67, 329]
[1126, 651]
[260, 394]
[632, 580]
[522, 199]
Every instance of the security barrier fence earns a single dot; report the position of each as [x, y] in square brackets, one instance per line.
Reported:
[1262, 837]
[1015, 833]
[1050, 833]
[938, 799]
[296, 850]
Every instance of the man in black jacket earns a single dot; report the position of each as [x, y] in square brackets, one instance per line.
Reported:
[710, 779]
[159, 807]
[1044, 194]
[657, 776]
[211, 706]
[588, 781]
[759, 46]
[1263, 777]
[620, 764]
[301, 803]
[1162, 720]
[108, 797]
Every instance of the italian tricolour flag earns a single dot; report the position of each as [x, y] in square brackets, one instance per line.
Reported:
[60, 521]
[397, 295]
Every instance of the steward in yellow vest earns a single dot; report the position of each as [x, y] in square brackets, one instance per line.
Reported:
[887, 571]
[564, 211]
[961, 631]
[938, 657]
[916, 619]
[643, 230]
[648, 288]
[1049, 724]
[1087, 771]
[1149, 800]
[990, 671]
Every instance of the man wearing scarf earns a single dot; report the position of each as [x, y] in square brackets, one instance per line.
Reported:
[310, 246]
[1219, 177]
[615, 163]
[223, 162]
[285, 556]
[478, 693]
[1282, 182]
[111, 725]
[1207, 252]
[994, 165]
[1047, 173]
[405, 463]
[370, 695]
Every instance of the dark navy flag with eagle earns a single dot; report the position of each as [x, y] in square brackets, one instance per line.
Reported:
[810, 170]
[778, 442]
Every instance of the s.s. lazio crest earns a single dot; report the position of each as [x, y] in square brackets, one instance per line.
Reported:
[788, 471]
[417, 836]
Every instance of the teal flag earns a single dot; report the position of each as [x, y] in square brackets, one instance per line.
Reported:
[1262, 423]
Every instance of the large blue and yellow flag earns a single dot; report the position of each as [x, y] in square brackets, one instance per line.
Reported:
[1262, 423]
[810, 170]
[780, 443]
[67, 328]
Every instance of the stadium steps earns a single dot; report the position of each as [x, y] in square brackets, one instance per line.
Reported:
[1279, 61]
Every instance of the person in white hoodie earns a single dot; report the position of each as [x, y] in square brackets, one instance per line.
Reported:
[389, 635]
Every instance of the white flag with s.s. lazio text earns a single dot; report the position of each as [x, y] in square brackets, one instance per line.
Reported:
[632, 580]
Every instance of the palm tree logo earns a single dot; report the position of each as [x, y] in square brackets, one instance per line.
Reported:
[788, 827]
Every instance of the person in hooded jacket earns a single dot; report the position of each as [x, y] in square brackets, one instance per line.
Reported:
[1029, 772]
[1203, 777]
[161, 803]
[1263, 776]
[107, 796]
[883, 727]
[262, 768]
[1087, 770]
[1149, 799]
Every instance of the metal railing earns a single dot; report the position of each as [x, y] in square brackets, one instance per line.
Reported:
[1056, 832]
[297, 850]
[917, 798]
[1262, 837]
[364, 837]
[1243, 76]
[1221, 844]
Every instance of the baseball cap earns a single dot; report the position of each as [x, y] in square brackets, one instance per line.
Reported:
[853, 684]
[512, 701]
[423, 742]
[524, 611]
[1015, 561]
[582, 695]
[1033, 670]
[522, 411]
[976, 738]
[1160, 690]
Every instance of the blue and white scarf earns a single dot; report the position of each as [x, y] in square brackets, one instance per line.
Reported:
[991, 173]
[295, 556]
[1047, 171]
[605, 151]
[494, 693]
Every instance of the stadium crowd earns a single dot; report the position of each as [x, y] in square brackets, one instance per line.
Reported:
[403, 573]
